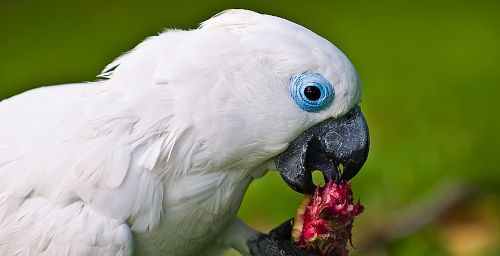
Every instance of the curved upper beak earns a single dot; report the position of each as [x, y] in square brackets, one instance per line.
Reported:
[337, 147]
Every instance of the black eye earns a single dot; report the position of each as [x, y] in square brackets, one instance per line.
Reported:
[312, 93]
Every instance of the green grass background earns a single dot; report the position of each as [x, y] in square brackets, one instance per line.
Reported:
[430, 73]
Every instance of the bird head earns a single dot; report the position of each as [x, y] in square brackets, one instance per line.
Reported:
[256, 89]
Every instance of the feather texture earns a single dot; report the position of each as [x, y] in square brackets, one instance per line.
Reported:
[163, 148]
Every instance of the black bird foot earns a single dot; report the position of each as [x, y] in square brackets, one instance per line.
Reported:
[277, 243]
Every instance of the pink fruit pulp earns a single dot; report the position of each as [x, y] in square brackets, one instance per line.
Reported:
[324, 220]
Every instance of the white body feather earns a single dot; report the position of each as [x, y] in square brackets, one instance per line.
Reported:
[156, 159]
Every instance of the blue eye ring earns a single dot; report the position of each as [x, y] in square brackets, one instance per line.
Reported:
[312, 92]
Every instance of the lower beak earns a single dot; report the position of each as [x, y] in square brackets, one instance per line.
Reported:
[337, 147]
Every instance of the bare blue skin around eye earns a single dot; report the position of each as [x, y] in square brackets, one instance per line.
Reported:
[298, 83]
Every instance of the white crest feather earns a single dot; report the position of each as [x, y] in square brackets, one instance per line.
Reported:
[232, 19]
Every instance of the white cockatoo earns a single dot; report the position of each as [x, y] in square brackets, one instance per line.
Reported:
[154, 159]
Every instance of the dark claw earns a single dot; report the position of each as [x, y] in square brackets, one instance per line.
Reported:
[277, 243]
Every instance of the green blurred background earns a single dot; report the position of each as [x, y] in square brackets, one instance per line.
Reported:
[430, 71]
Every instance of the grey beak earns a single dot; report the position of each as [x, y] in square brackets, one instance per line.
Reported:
[337, 147]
